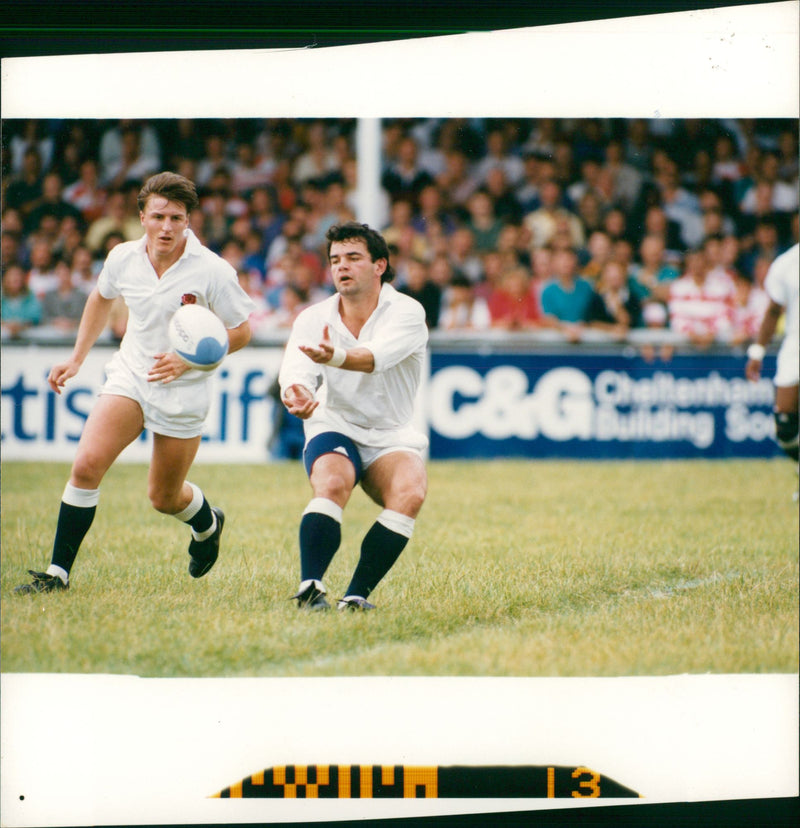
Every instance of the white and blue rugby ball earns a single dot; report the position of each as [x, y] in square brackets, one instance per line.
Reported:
[198, 337]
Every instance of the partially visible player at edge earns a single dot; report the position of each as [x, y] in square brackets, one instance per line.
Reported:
[351, 371]
[782, 284]
[147, 385]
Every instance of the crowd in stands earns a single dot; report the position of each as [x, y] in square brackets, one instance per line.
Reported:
[575, 229]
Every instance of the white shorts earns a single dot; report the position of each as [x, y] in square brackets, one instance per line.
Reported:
[372, 443]
[173, 410]
[787, 368]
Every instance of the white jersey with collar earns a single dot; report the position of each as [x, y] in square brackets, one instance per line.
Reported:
[782, 283]
[395, 334]
[151, 301]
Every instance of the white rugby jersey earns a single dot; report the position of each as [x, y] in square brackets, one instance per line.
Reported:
[199, 277]
[395, 334]
[783, 286]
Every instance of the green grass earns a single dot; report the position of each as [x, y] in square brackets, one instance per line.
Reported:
[515, 569]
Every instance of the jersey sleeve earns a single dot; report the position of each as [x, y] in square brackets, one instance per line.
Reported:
[296, 367]
[404, 332]
[107, 281]
[228, 300]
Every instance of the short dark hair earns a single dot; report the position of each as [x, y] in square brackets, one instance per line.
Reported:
[171, 186]
[376, 244]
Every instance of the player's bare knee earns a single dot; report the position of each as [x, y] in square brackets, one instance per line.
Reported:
[332, 486]
[407, 499]
[164, 502]
[85, 473]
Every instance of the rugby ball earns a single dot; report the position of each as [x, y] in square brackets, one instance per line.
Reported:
[198, 337]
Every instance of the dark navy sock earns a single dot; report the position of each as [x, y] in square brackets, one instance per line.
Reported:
[380, 548]
[73, 524]
[320, 536]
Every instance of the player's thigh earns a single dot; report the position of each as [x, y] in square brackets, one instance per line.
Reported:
[113, 423]
[169, 465]
[398, 481]
[333, 476]
[786, 398]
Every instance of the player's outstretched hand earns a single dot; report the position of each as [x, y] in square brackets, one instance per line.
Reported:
[320, 353]
[299, 401]
[167, 367]
[752, 370]
[59, 374]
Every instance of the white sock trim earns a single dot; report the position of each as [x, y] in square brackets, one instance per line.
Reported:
[308, 582]
[324, 506]
[58, 571]
[397, 522]
[201, 536]
[194, 505]
[82, 498]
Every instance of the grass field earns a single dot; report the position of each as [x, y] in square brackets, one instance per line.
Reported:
[515, 569]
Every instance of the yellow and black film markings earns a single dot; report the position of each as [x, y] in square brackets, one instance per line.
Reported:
[420, 782]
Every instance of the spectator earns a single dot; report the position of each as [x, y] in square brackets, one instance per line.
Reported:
[249, 170]
[566, 297]
[404, 178]
[701, 302]
[316, 161]
[653, 276]
[133, 162]
[590, 212]
[430, 210]
[498, 157]
[24, 190]
[264, 215]
[544, 221]
[589, 181]
[63, 305]
[615, 224]
[483, 222]
[215, 159]
[20, 308]
[679, 204]
[260, 316]
[335, 210]
[463, 256]
[626, 180]
[783, 196]
[417, 285]
[599, 249]
[84, 274]
[86, 194]
[51, 204]
[457, 181]
[42, 275]
[463, 309]
[506, 206]
[527, 190]
[111, 150]
[513, 305]
[116, 218]
[31, 138]
[613, 307]
[764, 243]
[752, 302]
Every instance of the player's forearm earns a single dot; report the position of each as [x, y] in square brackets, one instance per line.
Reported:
[93, 321]
[769, 324]
[238, 337]
[359, 359]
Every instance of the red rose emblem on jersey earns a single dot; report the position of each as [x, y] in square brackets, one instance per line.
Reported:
[188, 299]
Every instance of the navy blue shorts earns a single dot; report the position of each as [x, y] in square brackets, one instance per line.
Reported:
[332, 442]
